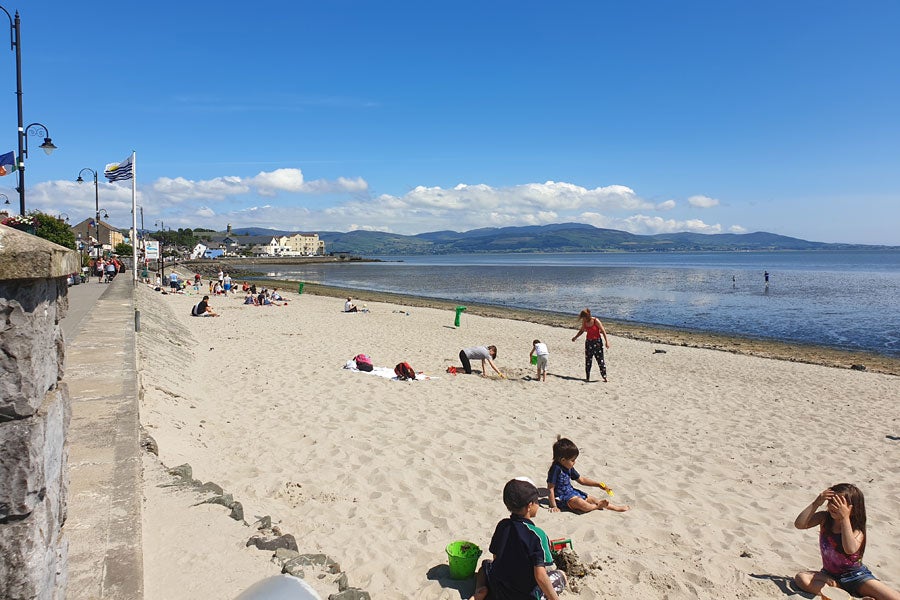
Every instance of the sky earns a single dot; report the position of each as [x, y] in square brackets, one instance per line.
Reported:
[407, 117]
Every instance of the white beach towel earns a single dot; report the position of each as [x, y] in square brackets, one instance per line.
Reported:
[386, 372]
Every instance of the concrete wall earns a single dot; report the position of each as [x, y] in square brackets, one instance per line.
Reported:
[34, 416]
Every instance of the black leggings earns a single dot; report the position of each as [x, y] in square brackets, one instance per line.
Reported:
[593, 349]
[467, 366]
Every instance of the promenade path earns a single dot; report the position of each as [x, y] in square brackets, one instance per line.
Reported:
[103, 525]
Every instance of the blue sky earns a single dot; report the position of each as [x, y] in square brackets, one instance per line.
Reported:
[708, 116]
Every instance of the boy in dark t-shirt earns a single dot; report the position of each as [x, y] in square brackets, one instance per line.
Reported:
[521, 553]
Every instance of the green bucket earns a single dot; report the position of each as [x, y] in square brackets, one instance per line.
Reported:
[463, 558]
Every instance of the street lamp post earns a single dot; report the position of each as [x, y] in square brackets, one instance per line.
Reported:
[15, 42]
[39, 130]
[96, 198]
[15, 37]
[162, 258]
[80, 243]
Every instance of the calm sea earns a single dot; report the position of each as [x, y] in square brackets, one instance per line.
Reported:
[841, 299]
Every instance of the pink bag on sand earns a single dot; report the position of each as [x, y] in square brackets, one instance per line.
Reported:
[363, 362]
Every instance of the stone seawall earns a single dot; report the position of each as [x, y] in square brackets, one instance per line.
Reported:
[35, 411]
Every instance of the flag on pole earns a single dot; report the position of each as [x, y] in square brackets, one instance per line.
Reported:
[120, 171]
[7, 163]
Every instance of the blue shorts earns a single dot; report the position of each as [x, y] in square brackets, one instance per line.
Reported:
[576, 494]
[851, 580]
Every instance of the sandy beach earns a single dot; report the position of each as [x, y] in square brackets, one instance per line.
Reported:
[716, 452]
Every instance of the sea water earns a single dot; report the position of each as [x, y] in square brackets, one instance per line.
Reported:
[840, 299]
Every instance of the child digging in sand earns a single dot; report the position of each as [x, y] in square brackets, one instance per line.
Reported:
[559, 482]
[539, 351]
[842, 541]
[521, 552]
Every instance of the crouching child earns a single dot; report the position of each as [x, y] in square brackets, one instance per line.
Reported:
[521, 551]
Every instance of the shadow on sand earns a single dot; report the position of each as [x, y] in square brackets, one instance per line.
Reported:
[441, 574]
[785, 584]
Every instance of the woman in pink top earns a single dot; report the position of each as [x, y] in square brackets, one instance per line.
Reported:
[593, 348]
[842, 542]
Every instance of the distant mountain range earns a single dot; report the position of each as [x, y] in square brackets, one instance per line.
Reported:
[560, 237]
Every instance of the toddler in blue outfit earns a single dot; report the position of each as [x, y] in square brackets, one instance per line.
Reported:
[559, 481]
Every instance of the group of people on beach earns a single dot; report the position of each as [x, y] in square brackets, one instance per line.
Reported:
[522, 563]
[595, 341]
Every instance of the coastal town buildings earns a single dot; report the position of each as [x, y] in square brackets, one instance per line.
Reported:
[102, 234]
[214, 245]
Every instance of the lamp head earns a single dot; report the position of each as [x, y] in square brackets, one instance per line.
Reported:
[79, 180]
[48, 146]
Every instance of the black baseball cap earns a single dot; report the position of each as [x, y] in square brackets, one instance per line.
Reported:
[518, 494]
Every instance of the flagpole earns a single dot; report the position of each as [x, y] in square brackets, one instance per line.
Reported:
[134, 256]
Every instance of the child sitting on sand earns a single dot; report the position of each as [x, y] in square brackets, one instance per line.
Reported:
[559, 482]
[521, 552]
[842, 541]
[539, 351]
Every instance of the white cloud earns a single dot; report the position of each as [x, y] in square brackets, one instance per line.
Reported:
[667, 205]
[358, 227]
[291, 180]
[286, 180]
[702, 202]
[645, 224]
[180, 189]
[341, 184]
[737, 229]
[347, 205]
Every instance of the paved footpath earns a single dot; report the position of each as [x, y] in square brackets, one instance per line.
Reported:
[103, 525]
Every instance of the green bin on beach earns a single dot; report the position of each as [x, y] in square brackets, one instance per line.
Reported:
[459, 310]
[300, 288]
[463, 558]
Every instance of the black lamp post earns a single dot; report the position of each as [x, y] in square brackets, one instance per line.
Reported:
[162, 246]
[15, 42]
[15, 37]
[96, 197]
[5, 197]
[36, 129]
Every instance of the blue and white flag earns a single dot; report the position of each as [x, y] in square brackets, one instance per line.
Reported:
[119, 171]
[7, 163]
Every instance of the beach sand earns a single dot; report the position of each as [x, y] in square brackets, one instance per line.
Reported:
[715, 452]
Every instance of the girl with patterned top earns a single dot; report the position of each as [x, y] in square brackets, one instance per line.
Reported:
[842, 542]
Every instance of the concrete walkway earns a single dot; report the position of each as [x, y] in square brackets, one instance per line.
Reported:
[104, 506]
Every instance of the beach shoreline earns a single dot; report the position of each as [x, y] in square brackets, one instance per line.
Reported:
[650, 332]
[657, 334]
